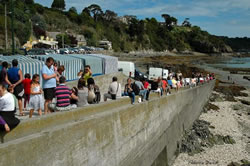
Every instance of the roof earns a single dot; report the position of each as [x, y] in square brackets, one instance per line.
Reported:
[53, 34]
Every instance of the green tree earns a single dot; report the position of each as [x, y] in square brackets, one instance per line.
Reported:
[73, 16]
[110, 15]
[58, 4]
[39, 8]
[170, 22]
[63, 37]
[186, 23]
[30, 2]
[73, 10]
[86, 11]
[85, 18]
[95, 11]
[133, 26]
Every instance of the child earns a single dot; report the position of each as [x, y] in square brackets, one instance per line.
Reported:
[55, 66]
[26, 85]
[74, 96]
[36, 99]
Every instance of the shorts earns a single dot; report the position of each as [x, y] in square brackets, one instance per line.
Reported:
[49, 93]
[19, 91]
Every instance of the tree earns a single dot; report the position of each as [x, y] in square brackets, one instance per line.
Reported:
[95, 11]
[133, 27]
[169, 21]
[186, 23]
[73, 10]
[30, 2]
[58, 4]
[86, 11]
[73, 16]
[110, 15]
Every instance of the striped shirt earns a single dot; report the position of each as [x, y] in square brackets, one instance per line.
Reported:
[62, 93]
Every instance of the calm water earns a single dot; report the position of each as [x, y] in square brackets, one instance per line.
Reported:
[235, 63]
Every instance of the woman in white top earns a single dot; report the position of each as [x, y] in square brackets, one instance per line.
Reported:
[7, 107]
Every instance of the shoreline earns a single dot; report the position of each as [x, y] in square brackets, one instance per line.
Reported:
[236, 79]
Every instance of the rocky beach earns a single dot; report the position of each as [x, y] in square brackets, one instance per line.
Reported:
[221, 136]
[230, 122]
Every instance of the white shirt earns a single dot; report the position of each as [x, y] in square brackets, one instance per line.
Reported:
[113, 88]
[7, 102]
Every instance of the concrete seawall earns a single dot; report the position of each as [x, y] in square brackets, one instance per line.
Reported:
[107, 134]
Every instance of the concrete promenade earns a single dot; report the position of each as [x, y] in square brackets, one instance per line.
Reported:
[107, 134]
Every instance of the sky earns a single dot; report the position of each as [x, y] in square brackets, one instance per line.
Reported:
[219, 17]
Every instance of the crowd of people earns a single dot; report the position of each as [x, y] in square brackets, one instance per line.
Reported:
[175, 81]
[13, 88]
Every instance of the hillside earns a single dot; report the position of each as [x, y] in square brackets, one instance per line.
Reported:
[126, 33]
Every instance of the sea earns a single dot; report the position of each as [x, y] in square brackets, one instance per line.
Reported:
[234, 63]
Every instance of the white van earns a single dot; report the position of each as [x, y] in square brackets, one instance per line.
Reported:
[128, 68]
[155, 73]
[165, 74]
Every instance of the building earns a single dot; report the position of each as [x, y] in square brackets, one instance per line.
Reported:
[41, 43]
[52, 34]
[47, 43]
[81, 41]
[105, 44]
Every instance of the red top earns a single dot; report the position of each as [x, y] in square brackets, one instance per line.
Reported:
[27, 85]
[146, 84]
[164, 84]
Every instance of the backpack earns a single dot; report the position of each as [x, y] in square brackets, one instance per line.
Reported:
[91, 94]
[136, 89]
[97, 94]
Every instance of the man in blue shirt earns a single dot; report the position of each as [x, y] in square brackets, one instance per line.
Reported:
[49, 83]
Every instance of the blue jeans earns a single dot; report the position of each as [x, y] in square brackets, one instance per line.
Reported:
[131, 95]
[143, 93]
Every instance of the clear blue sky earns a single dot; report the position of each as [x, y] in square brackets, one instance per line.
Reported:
[220, 17]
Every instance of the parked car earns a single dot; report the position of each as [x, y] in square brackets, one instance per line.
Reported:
[140, 75]
[64, 51]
